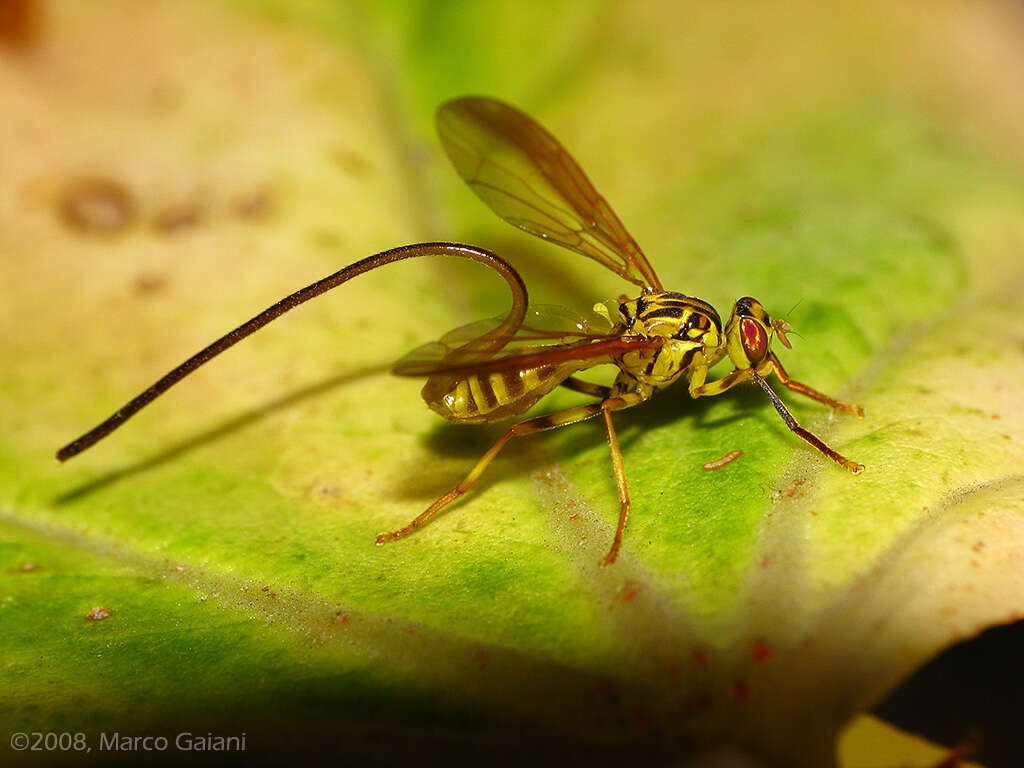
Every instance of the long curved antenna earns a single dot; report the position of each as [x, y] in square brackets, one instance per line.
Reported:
[502, 332]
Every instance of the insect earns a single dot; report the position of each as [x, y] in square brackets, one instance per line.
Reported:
[498, 369]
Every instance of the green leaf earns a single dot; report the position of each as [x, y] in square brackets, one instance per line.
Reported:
[806, 157]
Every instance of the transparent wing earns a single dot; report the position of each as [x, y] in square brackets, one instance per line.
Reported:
[548, 335]
[528, 178]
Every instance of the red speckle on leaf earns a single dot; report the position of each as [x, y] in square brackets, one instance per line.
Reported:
[703, 701]
[628, 592]
[483, 657]
[343, 617]
[741, 690]
[761, 651]
[700, 655]
[574, 516]
[793, 489]
[766, 560]
[978, 546]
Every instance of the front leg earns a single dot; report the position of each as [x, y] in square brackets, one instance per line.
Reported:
[852, 466]
[698, 388]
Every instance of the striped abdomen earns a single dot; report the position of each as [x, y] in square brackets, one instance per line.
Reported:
[482, 397]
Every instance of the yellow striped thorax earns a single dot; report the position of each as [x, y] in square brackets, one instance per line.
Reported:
[692, 331]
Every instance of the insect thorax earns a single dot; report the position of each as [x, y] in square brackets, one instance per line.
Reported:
[692, 331]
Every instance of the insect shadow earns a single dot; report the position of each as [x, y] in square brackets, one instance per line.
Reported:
[456, 441]
[225, 428]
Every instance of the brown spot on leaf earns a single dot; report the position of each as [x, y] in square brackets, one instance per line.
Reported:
[99, 614]
[350, 161]
[700, 655]
[20, 23]
[177, 218]
[163, 98]
[741, 690]
[96, 205]
[149, 283]
[254, 205]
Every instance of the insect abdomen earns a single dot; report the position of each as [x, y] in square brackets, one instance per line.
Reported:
[483, 397]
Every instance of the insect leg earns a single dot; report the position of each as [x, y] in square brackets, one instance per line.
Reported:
[594, 390]
[619, 468]
[698, 388]
[540, 424]
[811, 438]
[810, 392]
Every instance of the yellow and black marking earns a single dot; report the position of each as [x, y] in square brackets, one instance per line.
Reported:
[483, 397]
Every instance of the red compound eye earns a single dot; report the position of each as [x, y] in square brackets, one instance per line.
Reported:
[754, 339]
